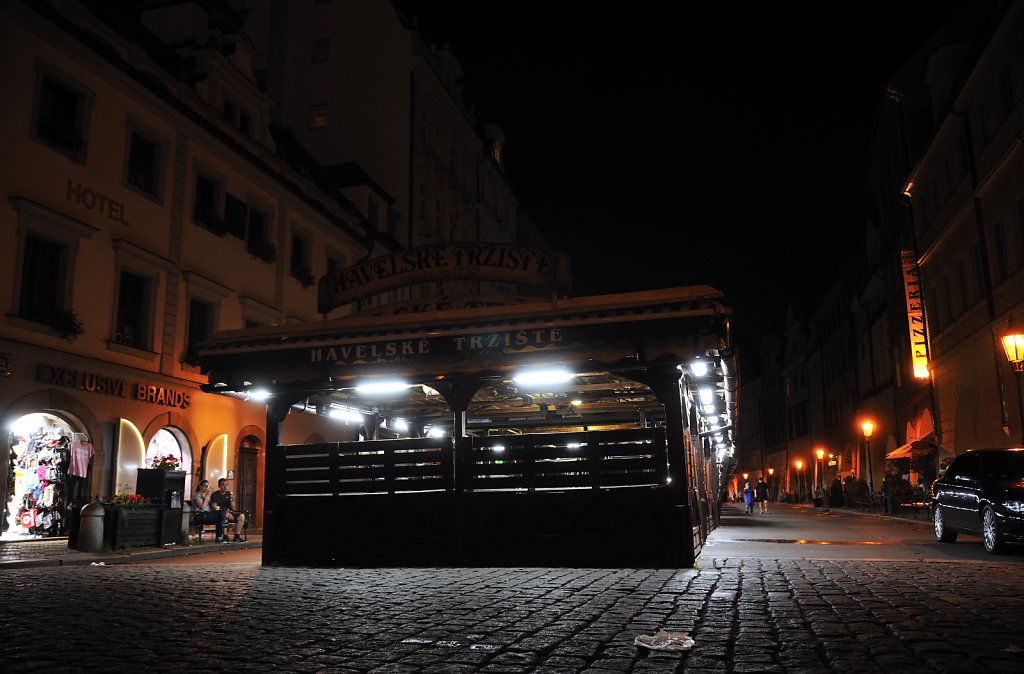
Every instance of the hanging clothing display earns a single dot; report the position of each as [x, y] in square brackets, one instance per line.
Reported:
[40, 463]
[81, 455]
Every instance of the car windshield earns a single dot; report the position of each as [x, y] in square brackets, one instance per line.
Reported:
[1004, 465]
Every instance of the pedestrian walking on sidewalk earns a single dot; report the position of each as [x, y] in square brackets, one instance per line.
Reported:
[748, 499]
[761, 495]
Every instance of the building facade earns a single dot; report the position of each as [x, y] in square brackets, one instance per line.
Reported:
[152, 198]
[909, 332]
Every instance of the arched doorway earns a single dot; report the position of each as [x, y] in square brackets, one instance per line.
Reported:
[48, 475]
[248, 458]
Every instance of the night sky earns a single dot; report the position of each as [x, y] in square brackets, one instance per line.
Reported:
[662, 147]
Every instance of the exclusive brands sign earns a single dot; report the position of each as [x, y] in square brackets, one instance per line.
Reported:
[915, 314]
[449, 345]
[52, 375]
[443, 262]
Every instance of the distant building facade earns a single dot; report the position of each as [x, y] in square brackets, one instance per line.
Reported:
[908, 336]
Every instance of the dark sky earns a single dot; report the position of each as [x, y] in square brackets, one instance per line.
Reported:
[676, 146]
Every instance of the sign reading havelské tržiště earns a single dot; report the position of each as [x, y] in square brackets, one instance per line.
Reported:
[443, 262]
[427, 347]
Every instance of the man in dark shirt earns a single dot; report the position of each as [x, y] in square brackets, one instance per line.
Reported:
[221, 500]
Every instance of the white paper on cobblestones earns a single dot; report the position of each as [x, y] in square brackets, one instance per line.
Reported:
[665, 641]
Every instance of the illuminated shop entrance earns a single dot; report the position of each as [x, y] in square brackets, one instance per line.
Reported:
[49, 473]
[470, 455]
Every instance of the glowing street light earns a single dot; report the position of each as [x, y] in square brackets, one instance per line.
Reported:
[821, 454]
[799, 479]
[867, 427]
[1013, 345]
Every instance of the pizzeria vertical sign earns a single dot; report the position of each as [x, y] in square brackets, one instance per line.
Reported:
[915, 314]
[443, 262]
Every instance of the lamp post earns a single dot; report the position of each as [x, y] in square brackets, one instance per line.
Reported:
[771, 471]
[1013, 345]
[817, 479]
[799, 493]
[867, 427]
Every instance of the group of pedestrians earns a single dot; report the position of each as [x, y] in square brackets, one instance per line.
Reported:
[758, 494]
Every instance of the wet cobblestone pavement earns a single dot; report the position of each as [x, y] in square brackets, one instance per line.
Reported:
[745, 615]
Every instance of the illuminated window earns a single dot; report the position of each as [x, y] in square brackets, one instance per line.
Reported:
[163, 444]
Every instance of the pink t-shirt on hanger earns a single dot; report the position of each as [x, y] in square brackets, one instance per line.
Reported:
[81, 453]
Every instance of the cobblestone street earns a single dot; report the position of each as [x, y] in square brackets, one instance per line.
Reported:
[744, 615]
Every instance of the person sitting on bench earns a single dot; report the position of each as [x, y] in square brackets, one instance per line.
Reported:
[204, 512]
[221, 500]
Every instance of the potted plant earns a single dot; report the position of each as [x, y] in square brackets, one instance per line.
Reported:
[165, 462]
[129, 520]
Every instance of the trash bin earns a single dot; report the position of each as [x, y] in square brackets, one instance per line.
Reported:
[90, 531]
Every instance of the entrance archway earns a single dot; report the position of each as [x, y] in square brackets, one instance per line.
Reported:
[248, 473]
[48, 476]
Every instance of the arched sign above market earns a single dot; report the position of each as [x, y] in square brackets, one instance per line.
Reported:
[445, 262]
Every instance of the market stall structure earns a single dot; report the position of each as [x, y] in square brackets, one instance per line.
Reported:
[577, 431]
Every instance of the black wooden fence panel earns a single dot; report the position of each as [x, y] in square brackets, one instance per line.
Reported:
[383, 466]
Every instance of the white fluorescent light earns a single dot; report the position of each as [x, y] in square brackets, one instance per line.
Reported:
[259, 394]
[707, 395]
[400, 425]
[542, 376]
[709, 409]
[436, 432]
[699, 368]
[381, 386]
[498, 448]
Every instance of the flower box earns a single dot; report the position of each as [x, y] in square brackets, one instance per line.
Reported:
[132, 527]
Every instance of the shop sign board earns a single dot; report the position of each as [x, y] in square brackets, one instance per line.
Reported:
[449, 345]
[53, 375]
[915, 314]
[443, 303]
[444, 262]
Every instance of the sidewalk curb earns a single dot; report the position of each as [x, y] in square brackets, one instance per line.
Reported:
[857, 513]
[76, 558]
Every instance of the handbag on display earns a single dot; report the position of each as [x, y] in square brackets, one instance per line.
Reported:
[28, 518]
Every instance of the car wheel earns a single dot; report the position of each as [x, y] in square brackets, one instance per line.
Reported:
[943, 533]
[990, 533]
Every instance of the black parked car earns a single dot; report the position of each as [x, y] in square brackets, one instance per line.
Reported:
[982, 493]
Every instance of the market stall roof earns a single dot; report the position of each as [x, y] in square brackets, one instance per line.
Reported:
[603, 340]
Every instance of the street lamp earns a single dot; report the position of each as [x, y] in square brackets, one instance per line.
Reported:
[799, 466]
[1013, 345]
[867, 427]
[817, 481]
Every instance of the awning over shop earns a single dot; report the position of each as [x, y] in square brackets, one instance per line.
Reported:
[914, 447]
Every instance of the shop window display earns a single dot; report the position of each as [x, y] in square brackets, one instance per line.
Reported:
[38, 477]
[166, 444]
[163, 444]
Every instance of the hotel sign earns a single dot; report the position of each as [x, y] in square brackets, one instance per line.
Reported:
[915, 314]
[444, 262]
